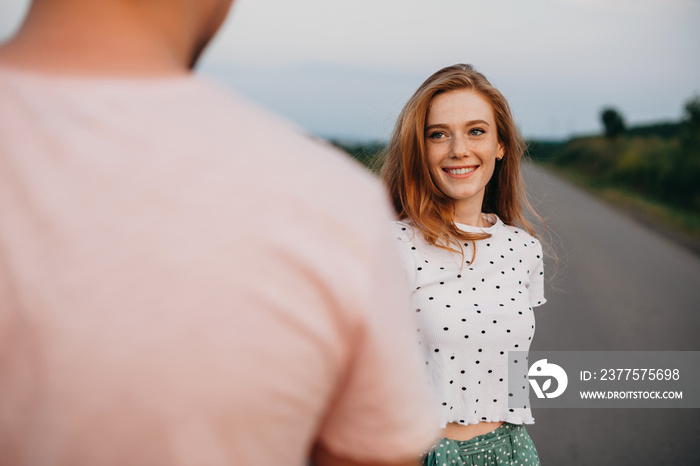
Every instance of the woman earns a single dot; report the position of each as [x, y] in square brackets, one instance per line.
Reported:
[453, 172]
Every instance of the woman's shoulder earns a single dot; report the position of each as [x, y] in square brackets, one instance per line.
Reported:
[515, 232]
[520, 232]
[520, 239]
[410, 237]
[403, 229]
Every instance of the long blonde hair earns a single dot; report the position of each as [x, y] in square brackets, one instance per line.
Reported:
[406, 172]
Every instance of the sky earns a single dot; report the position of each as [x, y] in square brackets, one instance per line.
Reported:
[344, 69]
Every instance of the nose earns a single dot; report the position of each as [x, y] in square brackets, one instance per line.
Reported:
[460, 146]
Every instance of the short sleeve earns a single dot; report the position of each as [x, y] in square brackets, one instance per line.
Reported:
[536, 287]
[383, 409]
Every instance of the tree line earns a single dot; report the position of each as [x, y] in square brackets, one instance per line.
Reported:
[659, 161]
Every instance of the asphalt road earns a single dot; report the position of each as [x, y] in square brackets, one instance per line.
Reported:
[617, 285]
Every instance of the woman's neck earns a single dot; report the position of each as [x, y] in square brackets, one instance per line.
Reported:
[468, 211]
[474, 219]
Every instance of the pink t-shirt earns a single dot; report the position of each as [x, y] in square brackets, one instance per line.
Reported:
[187, 280]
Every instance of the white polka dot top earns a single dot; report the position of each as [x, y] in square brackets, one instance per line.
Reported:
[471, 314]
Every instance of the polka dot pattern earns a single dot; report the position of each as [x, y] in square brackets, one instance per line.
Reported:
[471, 314]
[508, 445]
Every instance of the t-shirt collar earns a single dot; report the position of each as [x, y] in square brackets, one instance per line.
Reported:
[491, 219]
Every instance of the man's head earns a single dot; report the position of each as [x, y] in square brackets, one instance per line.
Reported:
[156, 36]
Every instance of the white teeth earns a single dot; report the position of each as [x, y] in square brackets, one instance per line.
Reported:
[461, 171]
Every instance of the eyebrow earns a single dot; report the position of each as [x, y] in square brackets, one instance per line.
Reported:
[468, 123]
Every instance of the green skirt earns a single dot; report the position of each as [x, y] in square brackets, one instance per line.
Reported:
[510, 444]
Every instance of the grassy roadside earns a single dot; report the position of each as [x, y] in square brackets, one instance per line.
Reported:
[679, 225]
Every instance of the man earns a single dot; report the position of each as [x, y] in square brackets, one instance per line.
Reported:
[185, 279]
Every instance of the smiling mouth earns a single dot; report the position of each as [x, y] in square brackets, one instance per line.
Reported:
[459, 171]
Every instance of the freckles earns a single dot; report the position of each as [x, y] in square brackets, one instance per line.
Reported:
[435, 155]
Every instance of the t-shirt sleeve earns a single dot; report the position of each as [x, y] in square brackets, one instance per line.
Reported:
[536, 287]
[383, 410]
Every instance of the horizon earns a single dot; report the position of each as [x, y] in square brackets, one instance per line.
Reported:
[344, 71]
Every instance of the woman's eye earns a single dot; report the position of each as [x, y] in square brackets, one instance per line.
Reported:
[476, 132]
[437, 135]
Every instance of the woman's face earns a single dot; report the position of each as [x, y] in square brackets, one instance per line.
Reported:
[461, 140]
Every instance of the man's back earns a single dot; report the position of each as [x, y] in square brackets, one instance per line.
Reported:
[186, 280]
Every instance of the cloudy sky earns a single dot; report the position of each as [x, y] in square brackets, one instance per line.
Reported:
[344, 69]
